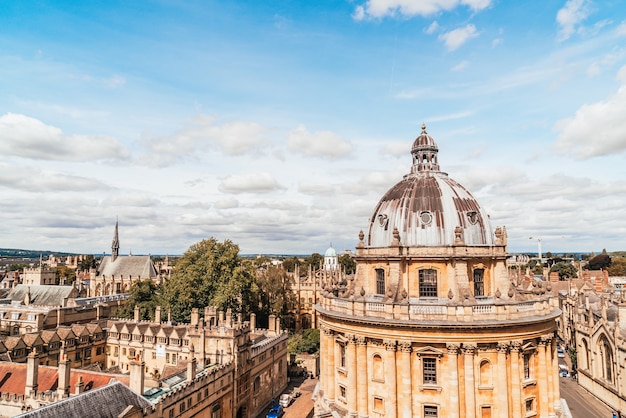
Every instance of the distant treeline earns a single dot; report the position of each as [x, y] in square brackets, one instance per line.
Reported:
[12, 252]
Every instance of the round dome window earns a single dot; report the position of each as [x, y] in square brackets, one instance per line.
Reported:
[426, 218]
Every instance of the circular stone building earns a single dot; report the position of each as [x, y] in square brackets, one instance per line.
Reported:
[431, 325]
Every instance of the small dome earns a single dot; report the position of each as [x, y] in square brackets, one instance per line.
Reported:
[330, 252]
[428, 208]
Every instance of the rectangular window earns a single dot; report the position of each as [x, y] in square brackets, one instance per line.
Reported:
[379, 404]
[428, 283]
[530, 405]
[430, 411]
[527, 366]
[380, 281]
[342, 392]
[167, 357]
[429, 366]
[479, 285]
[342, 355]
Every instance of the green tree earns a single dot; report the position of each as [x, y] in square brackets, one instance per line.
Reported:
[65, 275]
[315, 260]
[88, 262]
[347, 263]
[617, 267]
[599, 262]
[210, 273]
[565, 270]
[145, 294]
[307, 342]
[276, 294]
[290, 263]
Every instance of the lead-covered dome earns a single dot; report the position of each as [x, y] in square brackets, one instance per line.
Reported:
[428, 208]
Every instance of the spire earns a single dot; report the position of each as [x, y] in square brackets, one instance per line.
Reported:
[115, 246]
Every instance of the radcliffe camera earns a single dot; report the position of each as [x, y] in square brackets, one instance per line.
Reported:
[348, 209]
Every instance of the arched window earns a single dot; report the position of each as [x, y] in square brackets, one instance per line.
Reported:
[256, 385]
[428, 283]
[479, 285]
[377, 367]
[380, 281]
[584, 356]
[606, 354]
[485, 373]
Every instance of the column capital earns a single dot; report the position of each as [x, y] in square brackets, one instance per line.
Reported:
[327, 331]
[390, 345]
[453, 348]
[546, 339]
[351, 338]
[405, 346]
[361, 340]
[516, 345]
[469, 348]
[503, 347]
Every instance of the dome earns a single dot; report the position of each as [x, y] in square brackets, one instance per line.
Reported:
[330, 252]
[428, 208]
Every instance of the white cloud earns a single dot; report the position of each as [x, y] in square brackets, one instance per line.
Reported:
[594, 70]
[496, 42]
[323, 144]
[229, 203]
[457, 37]
[233, 138]
[570, 16]
[408, 8]
[31, 179]
[250, 183]
[432, 28]
[596, 129]
[460, 66]
[396, 149]
[26, 137]
[316, 189]
[621, 29]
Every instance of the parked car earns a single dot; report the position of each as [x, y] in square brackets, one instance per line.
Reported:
[275, 411]
[560, 353]
[285, 400]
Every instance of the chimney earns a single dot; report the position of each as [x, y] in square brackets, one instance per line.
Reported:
[63, 385]
[136, 317]
[277, 325]
[137, 370]
[220, 318]
[272, 323]
[252, 321]
[195, 317]
[229, 318]
[191, 365]
[80, 386]
[157, 315]
[599, 284]
[32, 373]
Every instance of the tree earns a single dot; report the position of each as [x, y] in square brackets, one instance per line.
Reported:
[65, 275]
[347, 263]
[290, 263]
[210, 273]
[565, 270]
[599, 262]
[88, 262]
[617, 267]
[315, 260]
[276, 295]
[145, 294]
[307, 342]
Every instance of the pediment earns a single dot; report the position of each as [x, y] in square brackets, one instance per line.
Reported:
[429, 351]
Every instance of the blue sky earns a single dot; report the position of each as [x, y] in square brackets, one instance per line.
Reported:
[280, 124]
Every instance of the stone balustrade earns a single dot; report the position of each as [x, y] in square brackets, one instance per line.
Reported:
[440, 310]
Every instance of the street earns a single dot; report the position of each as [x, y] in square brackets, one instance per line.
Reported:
[581, 403]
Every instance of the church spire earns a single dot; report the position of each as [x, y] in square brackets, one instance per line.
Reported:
[115, 246]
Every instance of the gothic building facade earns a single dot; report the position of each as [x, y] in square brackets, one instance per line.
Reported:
[431, 325]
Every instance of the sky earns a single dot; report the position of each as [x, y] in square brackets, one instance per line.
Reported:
[280, 124]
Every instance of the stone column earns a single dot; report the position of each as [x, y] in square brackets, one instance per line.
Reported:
[516, 389]
[556, 390]
[502, 392]
[417, 380]
[542, 378]
[390, 379]
[362, 376]
[470, 387]
[550, 372]
[404, 376]
[453, 380]
[352, 370]
[329, 387]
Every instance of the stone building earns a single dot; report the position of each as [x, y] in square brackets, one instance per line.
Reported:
[116, 273]
[431, 325]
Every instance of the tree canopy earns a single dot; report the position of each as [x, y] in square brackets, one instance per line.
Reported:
[599, 262]
[275, 293]
[617, 267]
[347, 263]
[565, 270]
[307, 342]
[210, 273]
[146, 295]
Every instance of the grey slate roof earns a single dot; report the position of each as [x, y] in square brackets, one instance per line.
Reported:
[135, 266]
[105, 402]
[44, 295]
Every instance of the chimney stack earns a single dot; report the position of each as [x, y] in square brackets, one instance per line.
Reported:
[136, 317]
[195, 316]
[137, 371]
[157, 315]
[80, 386]
[32, 373]
[191, 365]
[63, 385]
[252, 322]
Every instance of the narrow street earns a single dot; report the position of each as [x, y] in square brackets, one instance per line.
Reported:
[302, 406]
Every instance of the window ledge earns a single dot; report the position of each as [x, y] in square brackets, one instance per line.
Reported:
[485, 387]
[342, 370]
[530, 414]
[430, 387]
[343, 400]
[529, 382]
